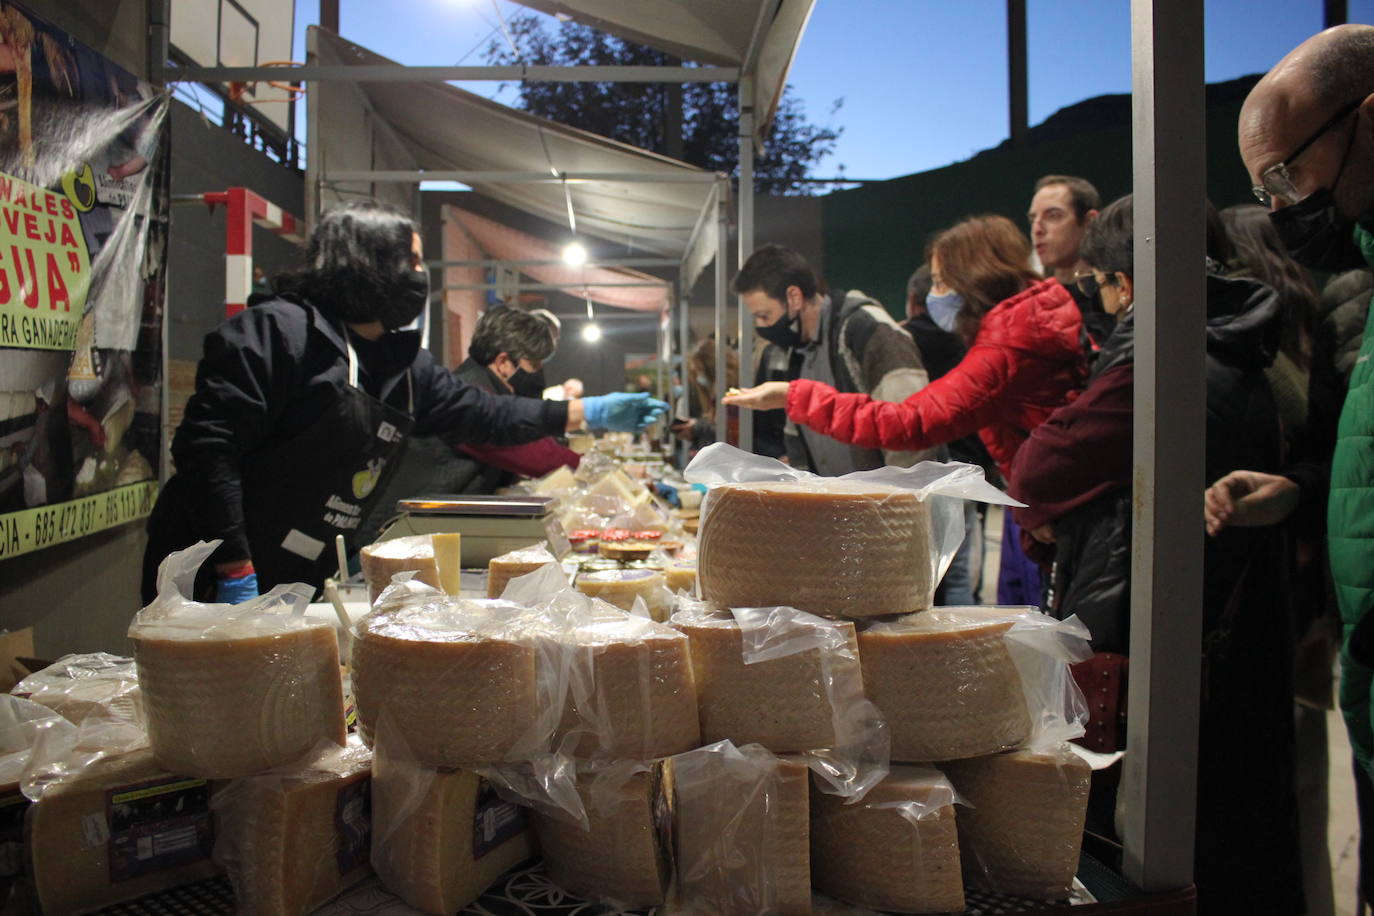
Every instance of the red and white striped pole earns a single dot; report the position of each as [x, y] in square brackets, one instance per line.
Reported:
[244, 210]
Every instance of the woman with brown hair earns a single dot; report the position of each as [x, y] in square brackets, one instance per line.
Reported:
[1025, 359]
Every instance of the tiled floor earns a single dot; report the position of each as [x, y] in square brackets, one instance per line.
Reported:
[1342, 827]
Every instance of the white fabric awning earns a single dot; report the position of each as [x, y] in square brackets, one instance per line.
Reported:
[655, 207]
[758, 36]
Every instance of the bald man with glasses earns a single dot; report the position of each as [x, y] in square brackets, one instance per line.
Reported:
[1307, 138]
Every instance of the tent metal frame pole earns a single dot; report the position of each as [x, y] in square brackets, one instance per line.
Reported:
[603, 262]
[397, 73]
[722, 285]
[314, 156]
[576, 288]
[683, 407]
[1160, 777]
[464, 176]
[745, 241]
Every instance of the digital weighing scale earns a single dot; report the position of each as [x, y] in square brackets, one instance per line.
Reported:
[490, 525]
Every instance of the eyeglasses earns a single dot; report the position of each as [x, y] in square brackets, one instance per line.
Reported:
[1089, 285]
[1276, 183]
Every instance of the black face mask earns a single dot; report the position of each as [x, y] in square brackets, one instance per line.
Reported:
[407, 300]
[1315, 234]
[785, 332]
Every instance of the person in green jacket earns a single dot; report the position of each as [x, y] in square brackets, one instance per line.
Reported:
[1307, 138]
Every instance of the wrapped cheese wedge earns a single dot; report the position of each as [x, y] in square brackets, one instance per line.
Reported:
[897, 850]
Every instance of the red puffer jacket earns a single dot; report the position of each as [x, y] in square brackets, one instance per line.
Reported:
[1025, 362]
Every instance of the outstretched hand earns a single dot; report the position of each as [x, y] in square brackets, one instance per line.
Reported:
[768, 396]
[1248, 499]
[622, 412]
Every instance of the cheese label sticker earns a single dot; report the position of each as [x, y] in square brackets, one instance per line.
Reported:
[158, 825]
[353, 823]
[494, 820]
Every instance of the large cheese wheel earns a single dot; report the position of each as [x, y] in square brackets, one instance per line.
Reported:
[946, 685]
[77, 686]
[457, 684]
[620, 857]
[384, 559]
[632, 694]
[781, 703]
[121, 828]
[293, 839]
[681, 576]
[740, 832]
[838, 549]
[234, 701]
[1023, 827]
[500, 570]
[442, 837]
[897, 850]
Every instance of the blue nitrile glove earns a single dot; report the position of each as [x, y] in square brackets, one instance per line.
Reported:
[622, 412]
[236, 589]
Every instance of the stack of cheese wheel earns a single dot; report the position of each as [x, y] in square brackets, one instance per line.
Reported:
[456, 681]
[230, 695]
[837, 549]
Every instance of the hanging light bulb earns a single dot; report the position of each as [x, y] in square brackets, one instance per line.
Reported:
[574, 255]
[591, 332]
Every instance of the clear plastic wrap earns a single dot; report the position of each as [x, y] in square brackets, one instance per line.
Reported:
[964, 682]
[620, 857]
[384, 559]
[896, 851]
[232, 690]
[740, 832]
[293, 838]
[500, 570]
[463, 682]
[91, 836]
[92, 684]
[622, 587]
[1023, 826]
[631, 692]
[866, 544]
[440, 837]
[791, 682]
[30, 733]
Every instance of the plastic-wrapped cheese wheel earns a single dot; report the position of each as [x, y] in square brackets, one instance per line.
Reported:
[455, 679]
[834, 548]
[1023, 827]
[241, 697]
[897, 850]
[384, 559]
[621, 587]
[500, 570]
[946, 683]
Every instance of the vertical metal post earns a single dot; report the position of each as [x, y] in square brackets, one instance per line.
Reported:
[1335, 12]
[329, 15]
[682, 405]
[1017, 79]
[159, 26]
[722, 290]
[1160, 780]
[314, 156]
[746, 247]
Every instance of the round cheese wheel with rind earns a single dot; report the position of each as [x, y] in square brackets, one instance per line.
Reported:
[225, 707]
[456, 684]
[833, 548]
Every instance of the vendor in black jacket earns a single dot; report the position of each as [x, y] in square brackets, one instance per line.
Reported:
[303, 402]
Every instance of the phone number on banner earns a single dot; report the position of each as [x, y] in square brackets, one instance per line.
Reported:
[34, 529]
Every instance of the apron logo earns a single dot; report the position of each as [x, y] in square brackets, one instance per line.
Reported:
[365, 480]
[388, 433]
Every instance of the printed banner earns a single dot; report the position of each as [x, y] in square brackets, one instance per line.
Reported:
[83, 228]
